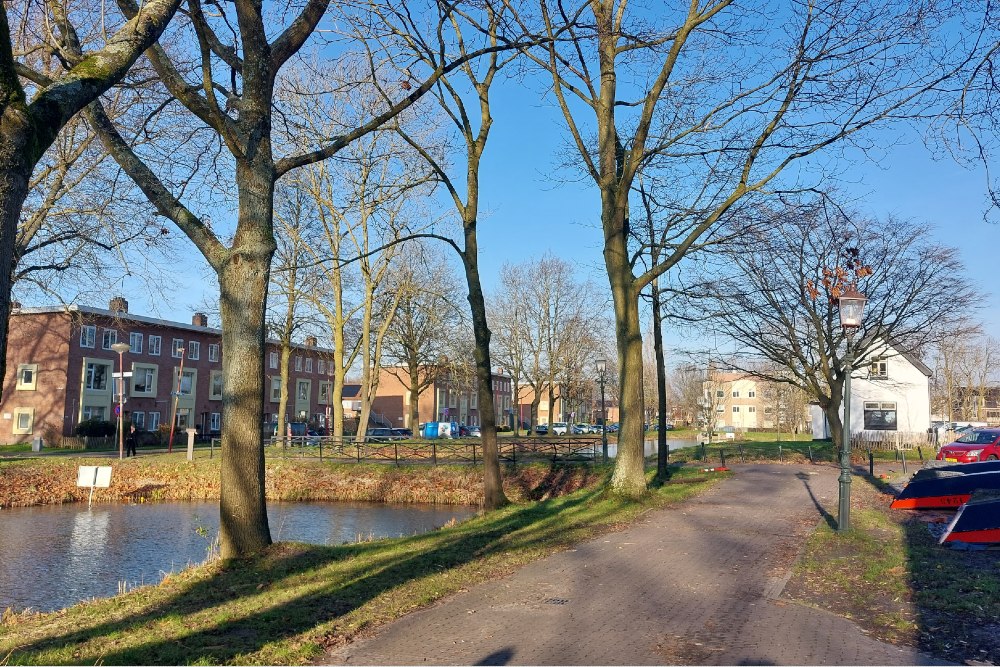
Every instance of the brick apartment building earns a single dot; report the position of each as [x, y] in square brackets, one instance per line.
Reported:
[448, 398]
[61, 366]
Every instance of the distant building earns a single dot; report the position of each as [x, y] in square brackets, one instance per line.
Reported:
[451, 396]
[61, 367]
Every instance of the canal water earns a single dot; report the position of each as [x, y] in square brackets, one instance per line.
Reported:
[56, 555]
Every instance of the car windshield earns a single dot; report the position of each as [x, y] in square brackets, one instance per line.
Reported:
[977, 438]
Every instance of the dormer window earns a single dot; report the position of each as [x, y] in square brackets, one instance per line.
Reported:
[879, 369]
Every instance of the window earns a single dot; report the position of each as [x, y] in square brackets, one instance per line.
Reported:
[736, 408]
[321, 367]
[177, 348]
[88, 335]
[274, 360]
[143, 379]
[752, 394]
[215, 386]
[298, 362]
[26, 376]
[302, 391]
[474, 400]
[720, 393]
[108, 338]
[139, 420]
[736, 393]
[96, 377]
[879, 369]
[187, 383]
[880, 416]
[213, 351]
[95, 412]
[135, 343]
[23, 420]
[752, 409]
[154, 421]
[154, 346]
[275, 390]
[194, 350]
[324, 393]
[215, 422]
[309, 365]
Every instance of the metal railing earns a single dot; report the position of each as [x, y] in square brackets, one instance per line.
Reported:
[384, 450]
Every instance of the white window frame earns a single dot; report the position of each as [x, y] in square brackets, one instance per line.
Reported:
[751, 394]
[153, 348]
[298, 362]
[275, 389]
[88, 377]
[188, 373]
[321, 366]
[274, 359]
[17, 429]
[736, 393]
[751, 408]
[142, 370]
[27, 386]
[298, 390]
[325, 391]
[154, 420]
[194, 350]
[878, 369]
[213, 352]
[736, 408]
[176, 347]
[215, 421]
[108, 338]
[212, 396]
[309, 365]
[88, 336]
[139, 420]
[135, 343]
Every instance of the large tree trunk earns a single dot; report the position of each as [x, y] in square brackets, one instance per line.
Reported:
[493, 495]
[413, 369]
[284, 375]
[243, 281]
[14, 176]
[629, 478]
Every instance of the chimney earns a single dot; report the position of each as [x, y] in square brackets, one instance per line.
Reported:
[199, 320]
[15, 305]
[118, 305]
[311, 341]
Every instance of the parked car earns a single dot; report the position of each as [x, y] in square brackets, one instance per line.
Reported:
[559, 428]
[379, 435]
[981, 444]
[402, 433]
[541, 429]
[299, 431]
[475, 432]
[581, 429]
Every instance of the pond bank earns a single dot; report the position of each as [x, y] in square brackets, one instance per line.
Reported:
[47, 481]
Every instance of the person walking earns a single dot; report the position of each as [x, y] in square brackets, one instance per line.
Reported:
[130, 442]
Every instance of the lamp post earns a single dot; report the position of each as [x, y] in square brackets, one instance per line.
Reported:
[852, 306]
[121, 349]
[602, 378]
[177, 398]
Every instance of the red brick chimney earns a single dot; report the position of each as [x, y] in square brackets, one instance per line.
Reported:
[199, 320]
[311, 341]
[118, 305]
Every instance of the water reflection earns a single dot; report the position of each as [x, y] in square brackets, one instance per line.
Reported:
[55, 556]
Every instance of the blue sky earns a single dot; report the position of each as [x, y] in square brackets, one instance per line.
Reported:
[531, 206]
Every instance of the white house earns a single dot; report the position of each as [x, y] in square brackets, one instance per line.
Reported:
[890, 391]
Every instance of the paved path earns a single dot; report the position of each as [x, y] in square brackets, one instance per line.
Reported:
[691, 585]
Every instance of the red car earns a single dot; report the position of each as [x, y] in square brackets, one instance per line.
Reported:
[981, 444]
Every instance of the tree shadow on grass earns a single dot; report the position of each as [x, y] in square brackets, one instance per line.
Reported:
[342, 579]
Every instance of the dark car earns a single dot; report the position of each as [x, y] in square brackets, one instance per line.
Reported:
[981, 444]
[402, 433]
[541, 429]
[379, 435]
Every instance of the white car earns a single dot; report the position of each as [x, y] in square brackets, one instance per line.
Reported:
[559, 428]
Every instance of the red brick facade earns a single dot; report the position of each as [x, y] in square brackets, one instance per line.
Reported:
[60, 368]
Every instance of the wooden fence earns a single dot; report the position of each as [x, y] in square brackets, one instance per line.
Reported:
[898, 440]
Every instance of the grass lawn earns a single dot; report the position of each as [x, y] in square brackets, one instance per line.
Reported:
[289, 604]
[889, 575]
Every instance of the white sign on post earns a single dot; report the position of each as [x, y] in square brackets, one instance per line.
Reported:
[93, 477]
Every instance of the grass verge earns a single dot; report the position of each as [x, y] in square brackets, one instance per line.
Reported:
[294, 601]
[889, 576]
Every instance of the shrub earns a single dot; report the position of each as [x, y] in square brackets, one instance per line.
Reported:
[97, 428]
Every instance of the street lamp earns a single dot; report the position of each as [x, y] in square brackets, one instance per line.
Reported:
[852, 307]
[121, 349]
[602, 378]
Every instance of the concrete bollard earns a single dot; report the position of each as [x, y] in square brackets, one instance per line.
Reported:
[191, 433]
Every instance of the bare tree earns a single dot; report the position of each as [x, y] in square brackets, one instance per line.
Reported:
[687, 391]
[39, 99]
[419, 335]
[719, 98]
[767, 297]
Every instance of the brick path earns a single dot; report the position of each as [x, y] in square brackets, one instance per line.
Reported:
[697, 584]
